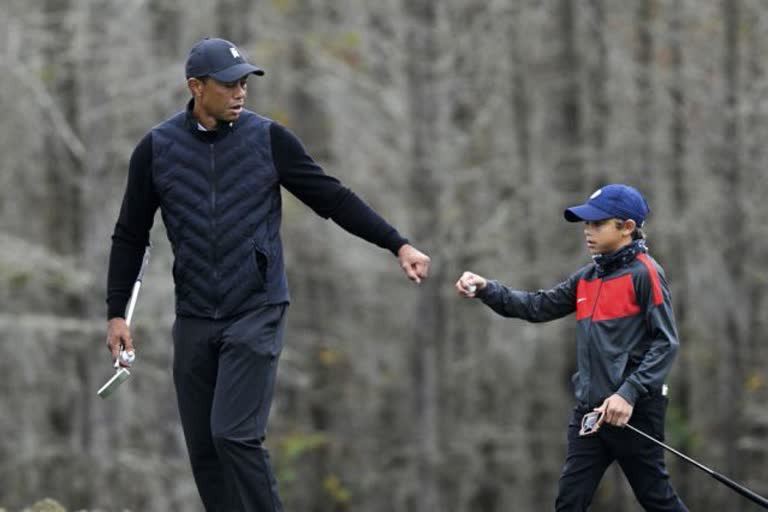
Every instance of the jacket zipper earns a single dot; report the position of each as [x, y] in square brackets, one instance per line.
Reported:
[589, 339]
[214, 255]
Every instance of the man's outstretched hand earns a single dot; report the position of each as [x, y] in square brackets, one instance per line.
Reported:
[414, 263]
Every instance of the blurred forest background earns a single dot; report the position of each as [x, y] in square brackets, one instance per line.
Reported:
[470, 125]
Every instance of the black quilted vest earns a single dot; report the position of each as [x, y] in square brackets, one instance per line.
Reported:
[220, 202]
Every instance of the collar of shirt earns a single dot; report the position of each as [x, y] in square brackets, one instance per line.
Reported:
[607, 263]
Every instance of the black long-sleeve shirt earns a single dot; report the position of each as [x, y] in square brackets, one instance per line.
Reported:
[297, 172]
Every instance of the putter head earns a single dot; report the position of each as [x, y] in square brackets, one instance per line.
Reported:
[112, 384]
[589, 424]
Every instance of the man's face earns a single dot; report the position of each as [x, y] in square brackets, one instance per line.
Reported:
[218, 101]
[608, 235]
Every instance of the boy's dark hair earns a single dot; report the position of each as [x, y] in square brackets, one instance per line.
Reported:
[637, 234]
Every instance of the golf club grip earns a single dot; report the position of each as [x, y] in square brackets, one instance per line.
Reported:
[741, 489]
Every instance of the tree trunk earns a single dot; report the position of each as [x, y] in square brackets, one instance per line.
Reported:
[645, 101]
[734, 215]
[569, 176]
[678, 263]
[425, 191]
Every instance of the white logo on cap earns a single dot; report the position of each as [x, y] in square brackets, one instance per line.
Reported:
[597, 193]
[234, 52]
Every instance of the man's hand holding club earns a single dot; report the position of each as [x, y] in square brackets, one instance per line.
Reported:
[120, 343]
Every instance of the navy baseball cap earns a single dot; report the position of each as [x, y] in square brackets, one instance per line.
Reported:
[220, 59]
[619, 201]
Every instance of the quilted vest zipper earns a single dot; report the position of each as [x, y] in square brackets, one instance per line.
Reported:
[214, 236]
[589, 340]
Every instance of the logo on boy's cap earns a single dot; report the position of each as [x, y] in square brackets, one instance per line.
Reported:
[234, 52]
[617, 200]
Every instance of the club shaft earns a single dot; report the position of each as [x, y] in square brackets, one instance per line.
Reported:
[669, 448]
[132, 302]
[136, 287]
[747, 493]
[122, 374]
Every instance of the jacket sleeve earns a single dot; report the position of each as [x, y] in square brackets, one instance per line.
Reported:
[131, 235]
[652, 293]
[539, 306]
[326, 195]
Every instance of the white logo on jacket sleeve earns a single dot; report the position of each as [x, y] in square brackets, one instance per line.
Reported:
[580, 300]
[234, 52]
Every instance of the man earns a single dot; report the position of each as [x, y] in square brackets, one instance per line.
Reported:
[215, 172]
[626, 341]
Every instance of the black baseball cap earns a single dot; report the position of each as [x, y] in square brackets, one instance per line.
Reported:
[616, 200]
[220, 59]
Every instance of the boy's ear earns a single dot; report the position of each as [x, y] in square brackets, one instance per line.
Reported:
[629, 226]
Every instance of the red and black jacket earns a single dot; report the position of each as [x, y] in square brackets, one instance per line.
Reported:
[626, 337]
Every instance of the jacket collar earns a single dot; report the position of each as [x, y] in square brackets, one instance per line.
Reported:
[607, 263]
[192, 124]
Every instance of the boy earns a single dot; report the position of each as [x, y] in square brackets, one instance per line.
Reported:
[626, 341]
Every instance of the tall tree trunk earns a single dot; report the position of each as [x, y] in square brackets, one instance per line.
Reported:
[521, 111]
[598, 91]
[425, 189]
[644, 77]
[569, 175]
[730, 165]
[756, 185]
[64, 176]
[91, 51]
[678, 134]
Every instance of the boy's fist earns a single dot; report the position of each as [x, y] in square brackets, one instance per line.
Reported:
[469, 284]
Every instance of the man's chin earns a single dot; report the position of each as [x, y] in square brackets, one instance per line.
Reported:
[229, 117]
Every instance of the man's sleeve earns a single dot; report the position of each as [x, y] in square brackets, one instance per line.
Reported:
[131, 234]
[653, 296]
[539, 306]
[326, 195]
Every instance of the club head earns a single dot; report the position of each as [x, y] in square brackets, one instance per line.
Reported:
[589, 423]
[112, 384]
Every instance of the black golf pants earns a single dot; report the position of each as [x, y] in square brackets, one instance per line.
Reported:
[224, 372]
[641, 460]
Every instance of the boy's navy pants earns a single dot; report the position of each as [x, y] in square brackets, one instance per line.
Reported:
[641, 460]
[224, 372]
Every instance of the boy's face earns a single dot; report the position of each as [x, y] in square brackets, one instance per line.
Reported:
[608, 235]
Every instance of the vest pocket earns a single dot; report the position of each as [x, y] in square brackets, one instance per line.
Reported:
[260, 264]
[181, 286]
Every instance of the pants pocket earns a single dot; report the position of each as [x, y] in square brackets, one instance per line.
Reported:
[650, 415]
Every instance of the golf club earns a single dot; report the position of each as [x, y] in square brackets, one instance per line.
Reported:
[751, 495]
[122, 374]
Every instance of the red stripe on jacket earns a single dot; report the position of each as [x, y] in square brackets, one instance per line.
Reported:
[606, 299]
[658, 297]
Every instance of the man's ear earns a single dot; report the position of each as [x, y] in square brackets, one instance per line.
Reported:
[629, 226]
[195, 86]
